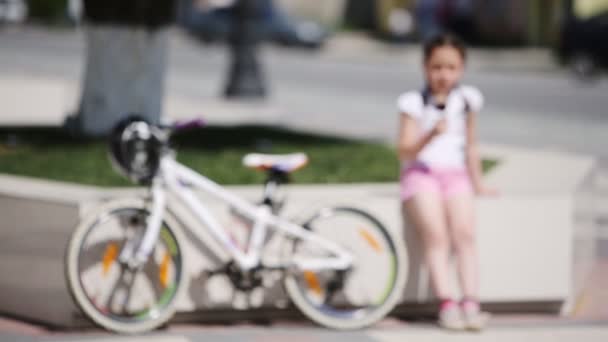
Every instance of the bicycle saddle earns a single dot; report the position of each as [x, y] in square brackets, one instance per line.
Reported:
[287, 163]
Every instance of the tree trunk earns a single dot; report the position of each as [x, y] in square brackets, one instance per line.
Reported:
[125, 73]
[125, 62]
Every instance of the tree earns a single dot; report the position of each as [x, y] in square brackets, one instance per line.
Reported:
[126, 59]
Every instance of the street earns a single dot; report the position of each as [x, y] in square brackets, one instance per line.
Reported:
[530, 103]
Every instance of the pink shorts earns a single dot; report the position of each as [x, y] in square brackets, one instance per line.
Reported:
[447, 182]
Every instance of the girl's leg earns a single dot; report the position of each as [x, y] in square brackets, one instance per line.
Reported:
[461, 213]
[461, 222]
[426, 211]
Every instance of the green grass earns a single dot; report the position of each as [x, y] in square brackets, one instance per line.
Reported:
[213, 151]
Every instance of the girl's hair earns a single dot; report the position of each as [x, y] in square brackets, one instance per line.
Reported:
[444, 39]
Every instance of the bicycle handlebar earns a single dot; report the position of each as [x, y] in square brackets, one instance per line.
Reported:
[188, 124]
[164, 131]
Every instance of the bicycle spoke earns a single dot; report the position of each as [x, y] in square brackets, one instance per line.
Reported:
[125, 282]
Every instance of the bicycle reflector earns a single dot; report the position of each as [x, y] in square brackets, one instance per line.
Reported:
[135, 150]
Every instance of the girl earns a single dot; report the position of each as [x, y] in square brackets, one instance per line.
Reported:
[442, 173]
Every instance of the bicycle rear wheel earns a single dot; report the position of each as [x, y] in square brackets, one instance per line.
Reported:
[108, 292]
[358, 297]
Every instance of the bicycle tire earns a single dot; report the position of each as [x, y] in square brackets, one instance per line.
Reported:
[150, 318]
[378, 238]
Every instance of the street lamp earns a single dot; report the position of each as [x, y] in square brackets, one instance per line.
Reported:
[245, 78]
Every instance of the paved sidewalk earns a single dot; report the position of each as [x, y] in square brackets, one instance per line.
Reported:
[347, 89]
[503, 328]
[56, 89]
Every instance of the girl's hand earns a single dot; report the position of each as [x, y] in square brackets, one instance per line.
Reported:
[484, 191]
[440, 127]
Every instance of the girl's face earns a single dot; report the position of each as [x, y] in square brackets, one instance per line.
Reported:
[444, 69]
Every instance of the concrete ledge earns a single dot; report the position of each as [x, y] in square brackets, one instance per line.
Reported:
[33, 236]
[526, 240]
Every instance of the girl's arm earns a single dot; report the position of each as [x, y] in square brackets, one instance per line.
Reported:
[409, 142]
[473, 159]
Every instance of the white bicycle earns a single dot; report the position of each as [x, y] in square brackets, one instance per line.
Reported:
[124, 262]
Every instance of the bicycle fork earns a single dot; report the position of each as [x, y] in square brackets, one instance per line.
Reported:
[136, 251]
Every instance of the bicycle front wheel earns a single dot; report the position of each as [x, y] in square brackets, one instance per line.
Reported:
[111, 294]
[355, 298]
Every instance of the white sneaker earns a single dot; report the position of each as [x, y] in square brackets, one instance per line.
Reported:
[474, 318]
[451, 318]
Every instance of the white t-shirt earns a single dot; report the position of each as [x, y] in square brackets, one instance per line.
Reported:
[446, 150]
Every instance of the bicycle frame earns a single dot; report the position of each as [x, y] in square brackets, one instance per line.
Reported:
[180, 180]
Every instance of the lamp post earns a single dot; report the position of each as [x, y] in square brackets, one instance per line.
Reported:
[245, 78]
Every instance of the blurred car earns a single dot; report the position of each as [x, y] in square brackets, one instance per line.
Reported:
[13, 11]
[214, 21]
[584, 44]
